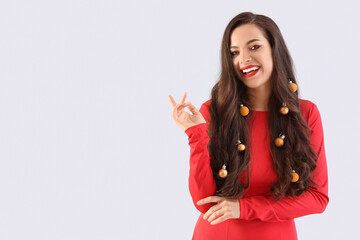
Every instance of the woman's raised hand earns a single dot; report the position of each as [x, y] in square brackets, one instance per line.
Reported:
[183, 119]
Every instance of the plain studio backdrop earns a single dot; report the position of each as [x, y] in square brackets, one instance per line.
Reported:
[88, 149]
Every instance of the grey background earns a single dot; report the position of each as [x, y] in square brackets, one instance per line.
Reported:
[88, 149]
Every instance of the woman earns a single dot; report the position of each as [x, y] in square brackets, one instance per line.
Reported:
[257, 157]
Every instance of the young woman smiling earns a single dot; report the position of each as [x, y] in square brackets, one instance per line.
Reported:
[257, 157]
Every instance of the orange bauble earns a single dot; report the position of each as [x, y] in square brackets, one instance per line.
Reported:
[244, 111]
[293, 86]
[279, 142]
[241, 147]
[284, 110]
[223, 173]
[295, 176]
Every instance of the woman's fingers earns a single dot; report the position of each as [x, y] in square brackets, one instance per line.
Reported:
[216, 214]
[219, 220]
[175, 112]
[178, 109]
[209, 200]
[223, 210]
[212, 210]
[183, 98]
[172, 101]
[192, 108]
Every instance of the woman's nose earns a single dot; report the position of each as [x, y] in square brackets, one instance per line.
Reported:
[245, 57]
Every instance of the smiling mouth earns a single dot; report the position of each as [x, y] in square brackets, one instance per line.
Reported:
[250, 71]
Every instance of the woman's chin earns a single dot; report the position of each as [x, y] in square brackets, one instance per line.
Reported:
[252, 85]
[255, 83]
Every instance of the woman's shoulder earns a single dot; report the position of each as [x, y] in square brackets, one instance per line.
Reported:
[207, 103]
[309, 110]
[204, 109]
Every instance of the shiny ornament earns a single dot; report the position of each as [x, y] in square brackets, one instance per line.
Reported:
[241, 147]
[223, 172]
[244, 110]
[292, 86]
[284, 109]
[279, 141]
[295, 176]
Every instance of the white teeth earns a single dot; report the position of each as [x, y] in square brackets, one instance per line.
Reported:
[250, 69]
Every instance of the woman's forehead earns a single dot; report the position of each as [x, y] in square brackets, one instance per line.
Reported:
[245, 33]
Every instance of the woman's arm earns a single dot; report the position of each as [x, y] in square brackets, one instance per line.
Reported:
[313, 201]
[201, 181]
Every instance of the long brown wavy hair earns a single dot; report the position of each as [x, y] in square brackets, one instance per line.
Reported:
[228, 126]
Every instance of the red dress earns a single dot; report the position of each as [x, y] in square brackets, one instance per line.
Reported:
[260, 216]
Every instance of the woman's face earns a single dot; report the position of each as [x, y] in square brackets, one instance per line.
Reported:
[250, 50]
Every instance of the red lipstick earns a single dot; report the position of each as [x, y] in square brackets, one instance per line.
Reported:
[252, 73]
[250, 66]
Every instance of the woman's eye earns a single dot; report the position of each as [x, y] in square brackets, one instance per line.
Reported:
[234, 53]
[255, 47]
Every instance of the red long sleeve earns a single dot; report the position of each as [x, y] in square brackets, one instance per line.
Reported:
[257, 203]
[313, 201]
[201, 181]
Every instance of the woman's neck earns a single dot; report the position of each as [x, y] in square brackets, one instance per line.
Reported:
[259, 98]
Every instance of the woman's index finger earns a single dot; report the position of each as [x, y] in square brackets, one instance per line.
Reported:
[192, 108]
[210, 199]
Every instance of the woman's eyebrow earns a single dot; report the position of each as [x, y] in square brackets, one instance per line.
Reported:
[250, 41]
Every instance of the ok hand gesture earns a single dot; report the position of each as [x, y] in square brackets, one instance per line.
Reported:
[183, 119]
